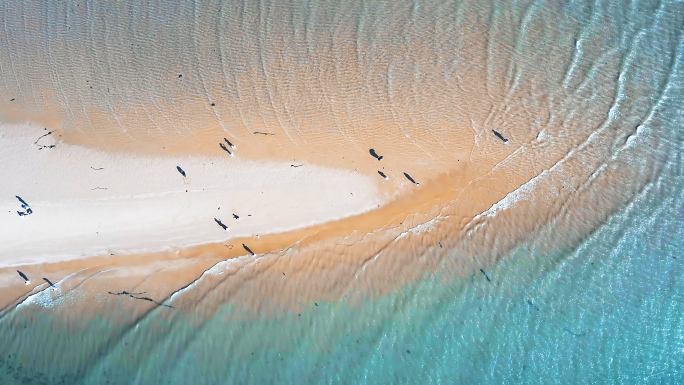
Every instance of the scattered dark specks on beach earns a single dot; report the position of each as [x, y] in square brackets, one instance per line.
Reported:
[135, 296]
[486, 276]
[382, 174]
[180, 170]
[248, 249]
[375, 154]
[180, 76]
[498, 135]
[151, 300]
[262, 133]
[42, 146]
[411, 179]
[213, 104]
[11, 100]
[126, 293]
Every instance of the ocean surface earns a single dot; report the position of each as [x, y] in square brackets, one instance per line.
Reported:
[592, 293]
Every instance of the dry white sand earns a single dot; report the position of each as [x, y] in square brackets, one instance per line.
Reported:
[88, 202]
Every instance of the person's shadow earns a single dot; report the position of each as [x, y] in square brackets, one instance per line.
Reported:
[411, 179]
[52, 285]
[223, 226]
[22, 275]
[248, 249]
[375, 154]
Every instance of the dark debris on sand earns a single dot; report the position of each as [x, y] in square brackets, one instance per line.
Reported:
[135, 296]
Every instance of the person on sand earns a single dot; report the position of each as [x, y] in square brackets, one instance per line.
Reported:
[375, 154]
[248, 249]
[23, 202]
[411, 179]
[223, 146]
[498, 135]
[180, 170]
[223, 226]
[52, 285]
[22, 275]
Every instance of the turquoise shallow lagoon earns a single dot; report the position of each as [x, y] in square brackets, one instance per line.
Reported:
[605, 309]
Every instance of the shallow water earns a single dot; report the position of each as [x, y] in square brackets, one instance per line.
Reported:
[607, 312]
[592, 290]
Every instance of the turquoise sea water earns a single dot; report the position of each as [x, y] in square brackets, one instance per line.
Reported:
[605, 310]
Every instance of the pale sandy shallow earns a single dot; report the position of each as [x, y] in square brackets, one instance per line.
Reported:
[88, 202]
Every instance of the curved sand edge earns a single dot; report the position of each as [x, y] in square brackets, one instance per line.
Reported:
[88, 203]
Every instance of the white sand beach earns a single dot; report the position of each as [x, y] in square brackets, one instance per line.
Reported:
[88, 202]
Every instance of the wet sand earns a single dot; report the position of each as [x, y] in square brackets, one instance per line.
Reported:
[427, 98]
[452, 225]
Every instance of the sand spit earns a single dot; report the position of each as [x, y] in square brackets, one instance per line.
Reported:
[86, 202]
[511, 132]
[455, 224]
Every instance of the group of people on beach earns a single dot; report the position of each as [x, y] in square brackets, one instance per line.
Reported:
[28, 211]
[24, 206]
[27, 281]
[372, 151]
[382, 174]
[224, 148]
[375, 155]
[226, 228]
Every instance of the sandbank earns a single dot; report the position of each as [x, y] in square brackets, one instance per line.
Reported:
[454, 222]
[89, 203]
[429, 106]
